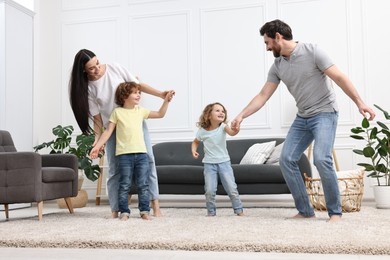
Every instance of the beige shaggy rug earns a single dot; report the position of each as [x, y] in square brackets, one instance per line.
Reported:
[261, 230]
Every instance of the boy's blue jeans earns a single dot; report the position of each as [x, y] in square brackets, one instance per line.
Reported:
[225, 172]
[113, 176]
[321, 129]
[136, 164]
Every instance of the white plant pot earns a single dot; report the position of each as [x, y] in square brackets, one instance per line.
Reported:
[382, 196]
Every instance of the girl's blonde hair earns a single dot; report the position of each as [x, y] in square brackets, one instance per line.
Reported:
[204, 119]
[123, 91]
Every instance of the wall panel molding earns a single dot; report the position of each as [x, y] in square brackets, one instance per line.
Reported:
[73, 5]
[176, 29]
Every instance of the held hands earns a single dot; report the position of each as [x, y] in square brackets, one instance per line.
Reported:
[235, 125]
[95, 152]
[168, 95]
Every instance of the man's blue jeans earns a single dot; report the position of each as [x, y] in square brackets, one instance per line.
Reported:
[321, 129]
[113, 176]
[136, 164]
[225, 172]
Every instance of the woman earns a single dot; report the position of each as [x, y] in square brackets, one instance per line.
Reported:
[92, 94]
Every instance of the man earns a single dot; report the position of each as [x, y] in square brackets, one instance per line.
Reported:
[306, 71]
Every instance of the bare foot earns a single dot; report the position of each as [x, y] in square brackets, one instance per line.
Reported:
[125, 218]
[145, 217]
[156, 208]
[241, 214]
[334, 218]
[299, 216]
[114, 214]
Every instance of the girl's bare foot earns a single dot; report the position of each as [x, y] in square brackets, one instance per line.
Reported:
[156, 208]
[334, 218]
[145, 217]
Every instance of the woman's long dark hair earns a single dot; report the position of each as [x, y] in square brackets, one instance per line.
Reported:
[78, 90]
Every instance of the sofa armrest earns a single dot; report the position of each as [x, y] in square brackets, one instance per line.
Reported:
[21, 170]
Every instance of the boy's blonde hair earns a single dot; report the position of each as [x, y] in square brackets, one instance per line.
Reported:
[124, 90]
[204, 119]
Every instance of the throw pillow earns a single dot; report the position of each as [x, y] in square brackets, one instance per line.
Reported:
[258, 153]
[275, 155]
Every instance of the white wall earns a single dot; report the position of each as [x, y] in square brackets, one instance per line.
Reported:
[210, 50]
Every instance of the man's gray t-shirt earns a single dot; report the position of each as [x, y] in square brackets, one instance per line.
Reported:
[303, 75]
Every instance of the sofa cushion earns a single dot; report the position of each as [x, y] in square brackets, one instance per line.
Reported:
[180, 174]
[258, 153]
[275, 155]
[57, 174]
[252, 173]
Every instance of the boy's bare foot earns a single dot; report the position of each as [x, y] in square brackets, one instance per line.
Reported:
[145, 217]
[124, 217]
[299, 216]
[334, 218]
[114, 214]
[156, 208]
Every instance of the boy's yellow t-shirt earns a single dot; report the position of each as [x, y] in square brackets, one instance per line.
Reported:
[129, 131]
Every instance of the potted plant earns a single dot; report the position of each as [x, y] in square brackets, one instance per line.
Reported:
[62, 144]
[377, 151]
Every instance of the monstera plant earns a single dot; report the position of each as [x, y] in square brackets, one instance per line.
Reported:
[63, 144]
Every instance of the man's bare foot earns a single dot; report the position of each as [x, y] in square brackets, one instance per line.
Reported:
[299, 216]
[334, 218]
[156, 208]
[145, 217]
[114, 214]
[241, 214]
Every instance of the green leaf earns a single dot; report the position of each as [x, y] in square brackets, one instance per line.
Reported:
[382, 125]
[357, 130]
[367, 167]
[360, 152]
[368, 152]
[373, 133]
[358, 137]
[365, 123]
[385, 113]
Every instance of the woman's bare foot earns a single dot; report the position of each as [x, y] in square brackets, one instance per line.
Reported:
[145, 217]
[334, 218]
[114, 214]
[156, 208]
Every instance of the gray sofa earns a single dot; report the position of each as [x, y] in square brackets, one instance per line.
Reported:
[179, 173]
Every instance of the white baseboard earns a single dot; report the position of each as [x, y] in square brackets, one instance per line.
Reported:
[16, 206]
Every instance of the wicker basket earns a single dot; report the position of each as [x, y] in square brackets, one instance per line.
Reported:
[351, 193]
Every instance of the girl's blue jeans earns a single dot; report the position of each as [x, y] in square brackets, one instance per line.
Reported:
[113, 176]
[322, 130]
[137, 165]
[225, 172]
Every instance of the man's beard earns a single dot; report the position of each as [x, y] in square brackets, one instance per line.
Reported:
[276, 54]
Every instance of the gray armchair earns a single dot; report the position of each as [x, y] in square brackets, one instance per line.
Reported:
[30, 177]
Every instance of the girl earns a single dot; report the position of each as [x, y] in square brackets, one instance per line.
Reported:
[212, 132]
